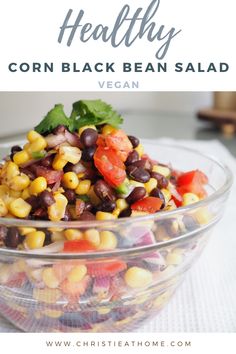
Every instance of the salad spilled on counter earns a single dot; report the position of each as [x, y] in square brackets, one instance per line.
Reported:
[85, 167]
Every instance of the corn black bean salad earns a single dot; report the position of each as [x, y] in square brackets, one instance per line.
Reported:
[85, 167]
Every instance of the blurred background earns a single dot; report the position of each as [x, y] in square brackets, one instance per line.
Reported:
[147, 114]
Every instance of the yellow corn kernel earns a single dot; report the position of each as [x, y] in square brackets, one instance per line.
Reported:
[3, 208]
[150, 185]
[164, 171]
[116, 212]
[101, 215]
[80, 175]
[4, 191]
[86, 127]
[121, 204]
[32, 136]
[203, 216]
[57, 210]
[58, 163]
[38, 185]
[26, 148]
[38, 144]
[18, 183]
[25, 194]
[83, 187]
[140, 150]
[92, 235]
[21, 157]
[189, 198]
[77, 273]
[35, 239]
[136, 184]
[73, 234]
[19, 208]
[49, 296]
[136, 277]
[167, 195]
[12, 170]
[70, 180]
[71, 154]
[174, 258]
[57, 236]
[15, 194]
[49, 278]
[108, 240]
[107, 129]
[52, 313]
[93, 196]
[26, 230]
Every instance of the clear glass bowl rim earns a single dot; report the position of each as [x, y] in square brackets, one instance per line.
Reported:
[8, 222]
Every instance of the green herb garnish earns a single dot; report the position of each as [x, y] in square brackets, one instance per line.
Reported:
[38, 154]
[54, 118]
[95, 112]
[84, 112]
[84, 197]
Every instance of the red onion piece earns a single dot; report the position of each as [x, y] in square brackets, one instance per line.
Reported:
[54, 140]
[73, 139]
[155, 258]
[78, 168]
[101, 285]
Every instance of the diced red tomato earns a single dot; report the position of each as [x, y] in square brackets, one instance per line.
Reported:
[149, 204]
[51, 176]
[110, 165]
[192, 182]
[102, 269]
[78, 246]
[120, 142]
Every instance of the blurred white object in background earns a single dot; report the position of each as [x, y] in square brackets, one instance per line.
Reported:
[20, 111]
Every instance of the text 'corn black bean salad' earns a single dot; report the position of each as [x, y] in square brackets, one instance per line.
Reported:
[85, 167]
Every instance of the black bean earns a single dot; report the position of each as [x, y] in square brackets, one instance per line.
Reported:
[48, 239]
[46, 199]
[189, 222]
[70, 195]
[13, 238]
[3, 233]
[104, 191]
[15, 149]
[132, 157]
[138, 174]
[107, 206]
[47, 161]
[136, 194]
[125, 213]
[59, 129]
[33, 201]
[162, 181]
[134, 141]
[157, 193]
[87, 153]
[89, 137]
[87, 216]
[144, 163]
[68, 167]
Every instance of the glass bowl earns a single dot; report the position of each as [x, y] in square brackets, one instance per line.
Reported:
[112, 291]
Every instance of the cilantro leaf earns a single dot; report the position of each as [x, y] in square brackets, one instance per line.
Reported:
[95, 112]
[54, 118]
